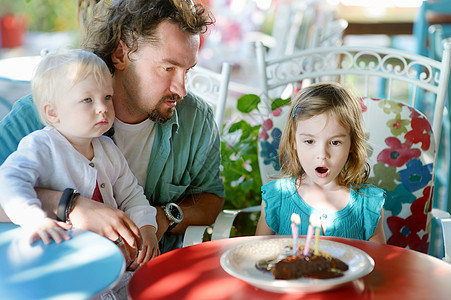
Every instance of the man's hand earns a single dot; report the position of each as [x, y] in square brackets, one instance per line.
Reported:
[100, 218]
[105, 220]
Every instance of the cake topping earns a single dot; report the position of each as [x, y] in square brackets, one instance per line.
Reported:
[319, 266]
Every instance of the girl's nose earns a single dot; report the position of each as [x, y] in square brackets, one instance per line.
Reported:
[323, 152]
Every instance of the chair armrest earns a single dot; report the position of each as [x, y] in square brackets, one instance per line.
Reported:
[221, 228]
[440, 214]
[444, 218]
[194, 235]
[446, 229]
[224, 222]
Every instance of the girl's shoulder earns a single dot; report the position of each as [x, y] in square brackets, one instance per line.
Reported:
[279, 188]
[371, 197]
[280, 184]
[370, 190]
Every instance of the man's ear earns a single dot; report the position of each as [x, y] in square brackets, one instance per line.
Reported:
[119, 56]
[51, 113]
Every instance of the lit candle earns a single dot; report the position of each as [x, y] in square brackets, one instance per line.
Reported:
[316, 240]
[309, 239]
[317, 224]
[295, 221]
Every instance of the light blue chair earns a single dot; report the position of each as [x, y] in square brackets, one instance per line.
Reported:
[429, 42]
[421, 24]
[15, 76]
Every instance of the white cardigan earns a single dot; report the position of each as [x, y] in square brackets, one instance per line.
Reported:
[46, 159]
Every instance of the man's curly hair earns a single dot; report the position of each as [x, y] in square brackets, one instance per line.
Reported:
[136, 21]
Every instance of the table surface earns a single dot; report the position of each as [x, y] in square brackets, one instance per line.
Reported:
[195, 273]
[79, 268]
[19, 68]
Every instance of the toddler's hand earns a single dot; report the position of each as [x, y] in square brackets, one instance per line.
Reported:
[150, 247]
[50, 229]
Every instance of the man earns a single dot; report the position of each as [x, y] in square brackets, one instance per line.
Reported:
[172, 146]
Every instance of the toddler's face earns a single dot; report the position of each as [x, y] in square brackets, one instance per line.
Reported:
[323, 147]
[86, 109]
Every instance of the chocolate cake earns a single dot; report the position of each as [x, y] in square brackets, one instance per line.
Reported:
[320, 266]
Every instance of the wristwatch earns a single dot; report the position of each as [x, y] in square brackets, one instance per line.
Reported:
[174, 214]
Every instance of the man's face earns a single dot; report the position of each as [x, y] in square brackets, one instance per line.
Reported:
[154, 80]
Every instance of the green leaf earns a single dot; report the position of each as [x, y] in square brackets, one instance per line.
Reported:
[248, 103]
[240, 170]
[238, 126]
[279, 103]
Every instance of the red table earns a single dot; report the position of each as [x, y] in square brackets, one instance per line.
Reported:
[195, 273]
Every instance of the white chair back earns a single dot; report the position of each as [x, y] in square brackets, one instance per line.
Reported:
[211, 87]
[392, 125]
[346, 64]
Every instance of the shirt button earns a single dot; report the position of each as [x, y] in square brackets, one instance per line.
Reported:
[91, 164]
[102, 185]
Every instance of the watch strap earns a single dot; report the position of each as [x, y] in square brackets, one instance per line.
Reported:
[171, 225]
[65, 204]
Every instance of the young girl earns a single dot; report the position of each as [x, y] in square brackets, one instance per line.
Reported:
[73, 93]
[323, 159]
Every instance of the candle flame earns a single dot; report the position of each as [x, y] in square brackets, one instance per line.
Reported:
[315, 220]
[295, 218]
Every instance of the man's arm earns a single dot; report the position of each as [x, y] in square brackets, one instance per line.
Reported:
[94, 216]
[90, 215]
[204, 197]
[19, 122]
[201, 209]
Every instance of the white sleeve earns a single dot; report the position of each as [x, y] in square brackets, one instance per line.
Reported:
[18, 176]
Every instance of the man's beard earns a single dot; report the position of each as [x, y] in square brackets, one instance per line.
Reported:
[158, 117]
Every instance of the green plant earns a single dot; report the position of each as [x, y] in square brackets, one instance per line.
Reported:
[240, 169]
[239, 151]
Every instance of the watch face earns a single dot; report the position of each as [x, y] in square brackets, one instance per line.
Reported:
[175, 212]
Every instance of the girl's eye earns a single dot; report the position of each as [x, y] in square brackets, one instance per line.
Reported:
[87, 100]
[309, 142]
[108, 97]
[335, 143]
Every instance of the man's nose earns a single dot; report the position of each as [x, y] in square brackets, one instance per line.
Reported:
[178, 85]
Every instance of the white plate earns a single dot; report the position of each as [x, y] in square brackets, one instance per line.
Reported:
[240, 262]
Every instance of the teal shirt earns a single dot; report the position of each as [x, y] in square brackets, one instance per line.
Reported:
[358, 220]
[185, 157]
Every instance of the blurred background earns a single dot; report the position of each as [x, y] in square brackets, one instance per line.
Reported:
[30, 28]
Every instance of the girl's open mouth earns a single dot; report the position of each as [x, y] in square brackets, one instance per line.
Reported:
[322, 171]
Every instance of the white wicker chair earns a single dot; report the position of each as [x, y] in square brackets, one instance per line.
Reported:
[360, 67]
[356, 67]
[212, 87]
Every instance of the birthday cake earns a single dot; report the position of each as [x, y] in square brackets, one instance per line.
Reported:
[295, 262]
[320, 266]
